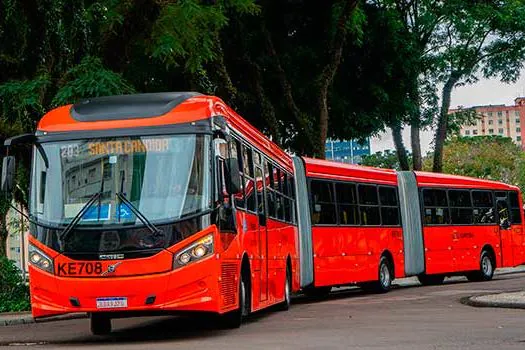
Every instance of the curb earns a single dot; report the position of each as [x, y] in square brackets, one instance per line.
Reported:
[19, 319]
[472, 301]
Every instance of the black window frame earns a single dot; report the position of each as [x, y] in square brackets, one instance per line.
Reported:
[359, 223]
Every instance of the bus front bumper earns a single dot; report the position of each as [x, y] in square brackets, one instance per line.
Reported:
[195, 287]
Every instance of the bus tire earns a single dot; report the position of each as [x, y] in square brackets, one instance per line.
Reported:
[233, 319]
[285, 304]
[430, 280]
[486, 268]
[100, 324]
[317, 292]
[385, 277]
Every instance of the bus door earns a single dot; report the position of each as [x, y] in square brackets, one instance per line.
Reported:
[504, 228]
[260, 177]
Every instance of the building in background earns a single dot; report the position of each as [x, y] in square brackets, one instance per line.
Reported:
[498, 120]
[347, 151]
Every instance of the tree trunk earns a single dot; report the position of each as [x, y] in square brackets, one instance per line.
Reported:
[327, 75]
[441, 132]
[400, 147]
[417, 163]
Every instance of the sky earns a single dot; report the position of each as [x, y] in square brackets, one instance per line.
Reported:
[484, 92]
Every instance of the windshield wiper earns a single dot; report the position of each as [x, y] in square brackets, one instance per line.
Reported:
[137, 212]
[79, 215]
[83, 210]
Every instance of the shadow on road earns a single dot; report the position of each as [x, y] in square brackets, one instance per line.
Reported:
[163, 329]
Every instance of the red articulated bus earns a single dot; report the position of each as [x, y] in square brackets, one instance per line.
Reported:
[131, 210]
[171, 202]
[369, 226]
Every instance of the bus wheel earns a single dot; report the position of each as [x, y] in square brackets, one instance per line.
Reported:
[285, 305]
[486, 269]
[430, 280]
[317, 292]
[233, 319]
[384, 278]
[100, 324]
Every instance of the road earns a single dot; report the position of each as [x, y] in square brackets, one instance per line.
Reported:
[409, 317]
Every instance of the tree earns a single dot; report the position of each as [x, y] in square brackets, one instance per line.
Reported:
[486, 37]
[487, 157]
[387, 159]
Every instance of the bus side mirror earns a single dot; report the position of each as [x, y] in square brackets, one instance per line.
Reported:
[8, 174]
[233, 178]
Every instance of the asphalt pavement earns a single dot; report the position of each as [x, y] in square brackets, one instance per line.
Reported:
[409, 317]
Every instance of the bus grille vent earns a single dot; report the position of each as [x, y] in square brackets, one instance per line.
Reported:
[228, 284]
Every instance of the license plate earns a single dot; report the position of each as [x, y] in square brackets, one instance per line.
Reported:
[112, 303]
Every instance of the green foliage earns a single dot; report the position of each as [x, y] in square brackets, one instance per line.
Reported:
[90, 79]
[186, 32]
[387, 160]
[486, 157]
[14, 293]
[21, 100]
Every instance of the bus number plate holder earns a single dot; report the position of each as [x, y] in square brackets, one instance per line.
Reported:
[112, 303]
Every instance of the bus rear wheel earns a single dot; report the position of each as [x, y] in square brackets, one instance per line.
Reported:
[430, 280]
[385, 278]
[486, 269]
[100, 324]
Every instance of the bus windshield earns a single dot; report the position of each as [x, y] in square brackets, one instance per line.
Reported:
[165, 178]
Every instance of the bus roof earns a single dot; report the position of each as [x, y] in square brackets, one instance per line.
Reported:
[318, 168]
[426, 179]
[154, 109]
[130, 111]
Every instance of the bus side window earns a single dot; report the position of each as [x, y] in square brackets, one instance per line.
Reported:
[483, 204]
[460, 207]
[369, 205]
[235, 152]
[515, 212]
[436, 207]
[323, 202]
[249, 183]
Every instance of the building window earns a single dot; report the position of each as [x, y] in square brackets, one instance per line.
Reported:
[518, 129]
[517, 113]
[491, 122]
[490, 114]
[491, 131]
[500, 131]
[517, 120]
[500, 114]
[500, 122]
[518, 138]
[467, 132]
[474, 132]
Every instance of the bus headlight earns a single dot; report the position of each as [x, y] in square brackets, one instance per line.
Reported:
[196, 251]
[39, 259]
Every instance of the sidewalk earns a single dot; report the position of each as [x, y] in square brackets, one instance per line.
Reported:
[512, 300]
[17, 318]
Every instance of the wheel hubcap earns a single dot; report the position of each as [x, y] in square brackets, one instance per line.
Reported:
[486, 266]
[385, 275]
[287, 290]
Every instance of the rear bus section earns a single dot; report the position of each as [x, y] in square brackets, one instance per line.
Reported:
[470, 226]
